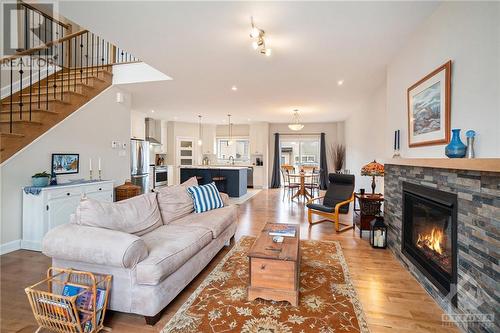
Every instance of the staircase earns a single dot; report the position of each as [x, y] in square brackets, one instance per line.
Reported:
[72, 70]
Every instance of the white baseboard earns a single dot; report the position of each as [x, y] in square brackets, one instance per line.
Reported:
[31, 245]
[10, 246]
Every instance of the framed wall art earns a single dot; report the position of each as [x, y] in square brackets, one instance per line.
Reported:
[429, 108]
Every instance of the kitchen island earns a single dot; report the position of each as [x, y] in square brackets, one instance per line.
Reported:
[233, 178]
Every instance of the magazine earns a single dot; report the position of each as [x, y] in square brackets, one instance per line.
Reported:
[285, 231]
[85, 302]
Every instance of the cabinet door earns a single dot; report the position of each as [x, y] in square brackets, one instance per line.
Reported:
[59, 210]
[101, 196]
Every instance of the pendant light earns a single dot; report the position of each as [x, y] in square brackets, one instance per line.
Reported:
[230, 129]
[200, 131]
[296, 125]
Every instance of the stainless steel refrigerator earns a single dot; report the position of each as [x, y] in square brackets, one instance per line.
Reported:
[139, 163]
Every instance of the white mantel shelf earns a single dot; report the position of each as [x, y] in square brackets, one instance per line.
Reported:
[475, 164]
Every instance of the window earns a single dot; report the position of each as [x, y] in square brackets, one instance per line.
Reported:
[300, 150]
[239, 149]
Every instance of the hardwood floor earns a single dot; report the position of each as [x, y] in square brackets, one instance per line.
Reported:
[392, 299]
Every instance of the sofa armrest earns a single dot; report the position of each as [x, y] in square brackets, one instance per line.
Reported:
[225, 198]
[94, 246]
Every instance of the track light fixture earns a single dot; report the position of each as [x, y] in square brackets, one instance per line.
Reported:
[259, 42]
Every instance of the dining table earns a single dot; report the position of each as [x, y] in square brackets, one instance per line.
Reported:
[302, 191]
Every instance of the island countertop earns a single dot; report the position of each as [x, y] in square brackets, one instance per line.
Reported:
[223, 167]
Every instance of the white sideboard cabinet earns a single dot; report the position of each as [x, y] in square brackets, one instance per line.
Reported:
[54, 205]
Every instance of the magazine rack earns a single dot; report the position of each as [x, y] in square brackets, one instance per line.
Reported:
[64, 314]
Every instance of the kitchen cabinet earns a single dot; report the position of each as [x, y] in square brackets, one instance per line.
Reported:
[53, 207]
[259, 148]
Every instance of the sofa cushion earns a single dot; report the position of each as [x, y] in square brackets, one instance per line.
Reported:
[205, 197]
[169, 246]
[138, 215]
[175, 202]
[216, 220]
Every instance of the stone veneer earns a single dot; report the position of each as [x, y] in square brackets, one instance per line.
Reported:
[478, 236]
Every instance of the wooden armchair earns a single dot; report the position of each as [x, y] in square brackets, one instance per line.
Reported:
[335, 201]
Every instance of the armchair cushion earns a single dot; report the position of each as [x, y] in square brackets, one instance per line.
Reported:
[138, 215]
[94, 246]
[340, 189]
[321, 208]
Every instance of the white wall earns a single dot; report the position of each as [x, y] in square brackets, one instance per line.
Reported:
[468, 33]
[365, 130]
[89, 132]
[334, 134]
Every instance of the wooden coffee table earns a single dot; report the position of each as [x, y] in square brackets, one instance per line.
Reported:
[274, 267]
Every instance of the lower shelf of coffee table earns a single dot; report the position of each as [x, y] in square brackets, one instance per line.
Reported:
[290, 296]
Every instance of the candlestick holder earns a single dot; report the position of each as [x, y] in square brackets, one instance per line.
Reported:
[90, 172]
[100, 174]
[396, 154]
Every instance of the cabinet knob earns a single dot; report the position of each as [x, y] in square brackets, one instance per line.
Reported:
[100, 189]
[68, 193]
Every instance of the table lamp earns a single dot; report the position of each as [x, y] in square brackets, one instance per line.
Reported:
[373, 169]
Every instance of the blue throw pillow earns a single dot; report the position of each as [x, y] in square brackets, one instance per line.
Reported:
[205, 197]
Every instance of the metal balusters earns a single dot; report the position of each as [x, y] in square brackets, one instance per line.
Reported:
[38, 65]
[73, 68]
[87, 57]
[97, 64]
[26, 39]
[47, 71]
[52, 50]
[31, 81]
[21, 88]
[62, 69]
[81, 58]
[92, 52]
[11, 95]
[102, 58]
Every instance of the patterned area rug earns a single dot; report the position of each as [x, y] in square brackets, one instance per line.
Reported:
[328, 301]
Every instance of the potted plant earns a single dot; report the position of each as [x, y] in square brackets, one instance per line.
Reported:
[338, 152]
[40, 179]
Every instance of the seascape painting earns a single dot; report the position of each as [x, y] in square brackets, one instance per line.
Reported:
[427, 110]
[428, 103]
[65, 163]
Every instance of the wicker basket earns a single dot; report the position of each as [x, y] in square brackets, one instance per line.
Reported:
[62, 314]
[126, 191]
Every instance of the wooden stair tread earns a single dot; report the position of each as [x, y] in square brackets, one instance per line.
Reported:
[28, 111]
[20, 121]
[51, 93]
[43, 87]
[51, 100]
[12, 135]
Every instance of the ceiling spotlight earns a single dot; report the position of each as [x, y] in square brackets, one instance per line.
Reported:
[259, 42]
[340, 82]
[152, 111]
[234, 88]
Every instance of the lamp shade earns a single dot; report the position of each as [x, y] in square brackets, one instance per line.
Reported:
[373, 169]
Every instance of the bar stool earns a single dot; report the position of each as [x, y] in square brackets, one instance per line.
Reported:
[220, 182]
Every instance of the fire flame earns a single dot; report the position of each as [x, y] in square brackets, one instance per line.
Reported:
[432, 240]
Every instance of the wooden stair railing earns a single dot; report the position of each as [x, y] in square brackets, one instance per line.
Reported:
[49, 82]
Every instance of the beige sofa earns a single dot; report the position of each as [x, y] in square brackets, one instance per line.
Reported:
[153, 245]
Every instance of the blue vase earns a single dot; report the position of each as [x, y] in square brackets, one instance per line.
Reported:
[456, 148]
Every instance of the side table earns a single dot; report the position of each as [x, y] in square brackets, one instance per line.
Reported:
[369, 208]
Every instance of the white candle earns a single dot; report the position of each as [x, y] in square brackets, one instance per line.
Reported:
[99, 164]
[90, 164]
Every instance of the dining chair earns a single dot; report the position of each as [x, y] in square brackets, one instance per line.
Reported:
[289, 182]
[313, 184]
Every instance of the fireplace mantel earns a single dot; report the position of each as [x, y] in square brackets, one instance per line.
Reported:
[474, 164]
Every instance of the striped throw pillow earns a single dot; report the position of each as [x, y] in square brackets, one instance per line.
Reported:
[205, 197]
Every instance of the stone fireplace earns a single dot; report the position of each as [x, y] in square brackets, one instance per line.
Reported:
[443, 225]
[429, 234]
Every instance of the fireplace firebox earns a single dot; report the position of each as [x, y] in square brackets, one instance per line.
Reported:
[429, 234]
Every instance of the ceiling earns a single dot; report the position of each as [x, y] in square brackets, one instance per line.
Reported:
[206, 49]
